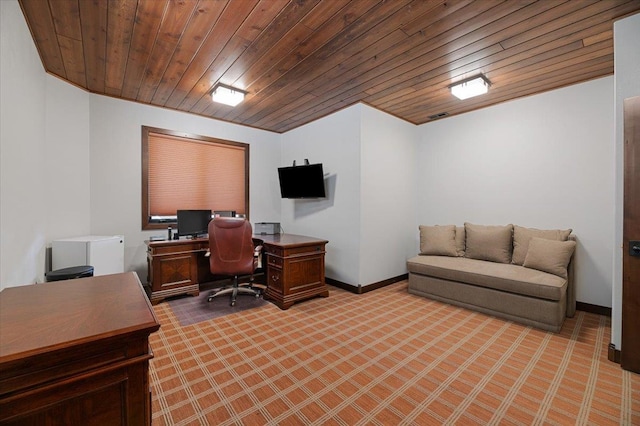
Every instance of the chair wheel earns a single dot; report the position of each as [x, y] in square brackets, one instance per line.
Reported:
[233, 303]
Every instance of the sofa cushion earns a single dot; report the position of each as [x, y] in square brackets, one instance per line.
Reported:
[549, 255]
[438, 240]
[500, 276]
[488, 242]
[460, 240]
[521, 237]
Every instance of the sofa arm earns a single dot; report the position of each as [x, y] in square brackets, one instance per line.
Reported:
[571, 286]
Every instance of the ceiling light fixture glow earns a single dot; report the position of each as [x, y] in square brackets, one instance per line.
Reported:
[227, 95]
[474, 86]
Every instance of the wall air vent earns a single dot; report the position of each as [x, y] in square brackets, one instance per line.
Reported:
[440, 115]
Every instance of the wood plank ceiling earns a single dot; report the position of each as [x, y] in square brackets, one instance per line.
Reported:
[300, 60]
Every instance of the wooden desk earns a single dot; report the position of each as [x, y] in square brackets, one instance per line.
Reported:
[76, 352]
[294, 267]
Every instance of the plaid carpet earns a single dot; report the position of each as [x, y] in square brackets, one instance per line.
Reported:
[385, 358]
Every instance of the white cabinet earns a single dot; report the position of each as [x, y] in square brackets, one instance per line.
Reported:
[104, 253]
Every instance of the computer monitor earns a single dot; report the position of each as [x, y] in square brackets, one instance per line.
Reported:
[192, 223]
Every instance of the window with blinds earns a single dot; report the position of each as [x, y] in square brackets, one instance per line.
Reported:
[190, 172]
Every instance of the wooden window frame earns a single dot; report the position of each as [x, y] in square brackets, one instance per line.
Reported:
[148, 224]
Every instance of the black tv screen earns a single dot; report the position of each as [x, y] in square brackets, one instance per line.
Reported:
[305, 181]
[193, 222]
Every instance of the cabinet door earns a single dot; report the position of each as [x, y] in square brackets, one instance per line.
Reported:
[304, 273]
[173, 271]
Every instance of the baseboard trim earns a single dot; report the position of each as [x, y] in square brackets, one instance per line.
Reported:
[613, 354]
[342, 285]
[594, 309]
[367, 288]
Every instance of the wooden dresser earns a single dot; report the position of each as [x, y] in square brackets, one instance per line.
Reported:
[76, 352]
[295, 268]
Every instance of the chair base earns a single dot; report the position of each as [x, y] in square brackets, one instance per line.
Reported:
[235, 289]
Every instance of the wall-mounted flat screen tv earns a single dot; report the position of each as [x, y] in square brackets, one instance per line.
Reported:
[305, 181]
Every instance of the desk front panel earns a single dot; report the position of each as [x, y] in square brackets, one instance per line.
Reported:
[176, 267]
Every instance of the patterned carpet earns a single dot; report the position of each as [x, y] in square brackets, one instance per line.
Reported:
[385, 358]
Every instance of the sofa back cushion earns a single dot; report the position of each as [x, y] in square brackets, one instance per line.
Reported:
[438, 240]
[550, 256]
[522, 236]
[491, 243]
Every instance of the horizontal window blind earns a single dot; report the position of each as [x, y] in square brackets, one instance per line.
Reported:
[185, 173]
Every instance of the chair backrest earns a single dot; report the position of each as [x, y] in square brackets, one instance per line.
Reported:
[231, 246]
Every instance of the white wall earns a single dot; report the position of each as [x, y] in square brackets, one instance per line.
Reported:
[545, 161]
[369, 212]
[387, 196]
[333, 141]
[626, 33]
[66, 179]
[116, 168]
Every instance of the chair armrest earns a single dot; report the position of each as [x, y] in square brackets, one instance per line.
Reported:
[257, 257]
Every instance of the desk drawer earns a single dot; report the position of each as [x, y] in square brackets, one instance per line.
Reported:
[274, 261]
[274, 279]
[274, 251]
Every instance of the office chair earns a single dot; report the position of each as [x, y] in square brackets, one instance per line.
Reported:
[231, 252]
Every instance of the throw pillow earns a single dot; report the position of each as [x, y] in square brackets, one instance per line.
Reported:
[491, 243]
[549, 255]
[460, 240]
[438, 240]
[521, 237]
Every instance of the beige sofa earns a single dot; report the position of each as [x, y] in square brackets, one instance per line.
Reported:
[517, 273]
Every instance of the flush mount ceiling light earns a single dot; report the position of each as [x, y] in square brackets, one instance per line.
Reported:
[227, 95]
[470, 87]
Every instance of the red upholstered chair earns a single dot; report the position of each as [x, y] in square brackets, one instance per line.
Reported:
[231, 252]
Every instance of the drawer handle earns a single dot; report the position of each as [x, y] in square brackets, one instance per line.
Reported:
[274, 278]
